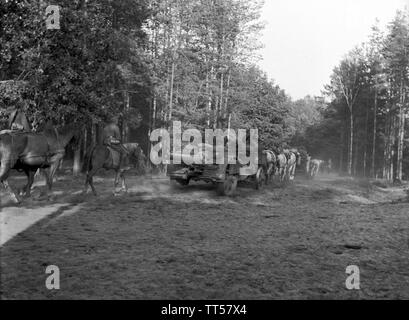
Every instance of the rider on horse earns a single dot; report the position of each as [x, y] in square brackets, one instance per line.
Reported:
[112, 136]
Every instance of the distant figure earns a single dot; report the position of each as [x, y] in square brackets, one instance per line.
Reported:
[315, 167]
[111, 136]
[307, 164]
[329, 166]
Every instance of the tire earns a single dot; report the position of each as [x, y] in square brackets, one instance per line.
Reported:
[179, 182]
[227, 187]
[183, 182]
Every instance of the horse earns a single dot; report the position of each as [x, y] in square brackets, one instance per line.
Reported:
[28, 152]
[327, 166]
[11, 145]
[103, 157]
[293, 160]
[315, 167]
[268, 161]
[281, 166]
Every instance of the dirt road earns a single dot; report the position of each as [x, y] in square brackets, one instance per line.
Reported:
[159, 242]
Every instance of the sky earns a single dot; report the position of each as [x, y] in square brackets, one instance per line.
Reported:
[305, 39]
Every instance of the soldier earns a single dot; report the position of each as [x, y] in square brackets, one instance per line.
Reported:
[112, 136]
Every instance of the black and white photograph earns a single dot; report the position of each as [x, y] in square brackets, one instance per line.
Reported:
[204, 150]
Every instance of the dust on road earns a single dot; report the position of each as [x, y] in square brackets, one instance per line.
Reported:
[160, 242]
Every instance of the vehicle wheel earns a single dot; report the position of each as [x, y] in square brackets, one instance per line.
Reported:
[260, 179]
[179, 182]
[183, 182]
[228, 187]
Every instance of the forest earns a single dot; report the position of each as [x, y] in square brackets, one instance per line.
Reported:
[156, 61]
[363, 125]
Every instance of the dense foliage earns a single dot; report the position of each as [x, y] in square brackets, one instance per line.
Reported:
[364, 128]
[151, 62]
[155, 61]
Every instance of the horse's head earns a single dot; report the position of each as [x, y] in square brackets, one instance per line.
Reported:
[70, 132]
[136, 154]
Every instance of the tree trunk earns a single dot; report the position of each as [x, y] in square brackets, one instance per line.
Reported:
[373, 172]
[226, 112]
[125, 126]
[209, 96]
[172, 76]
[387, 148]
[341, 153]
[366, 142]
[154, 107]
[220, 110]
[76, 168]
[401, 135]
[355, 159]
[351, 142]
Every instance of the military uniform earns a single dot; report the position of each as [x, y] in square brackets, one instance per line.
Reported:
[112, 138]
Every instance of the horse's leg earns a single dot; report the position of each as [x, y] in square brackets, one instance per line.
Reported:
[4, 173]
[51, 174]
[11, 191]
[86, 184]
[89, 181]
[116, 180]
[124, 187]
[94, 165]
[266, 173]
[58, 167]
[30, 180]
[23, 191]
[48, 187]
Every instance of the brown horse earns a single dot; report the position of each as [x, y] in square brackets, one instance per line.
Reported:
[102, 157]
[29, 152]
